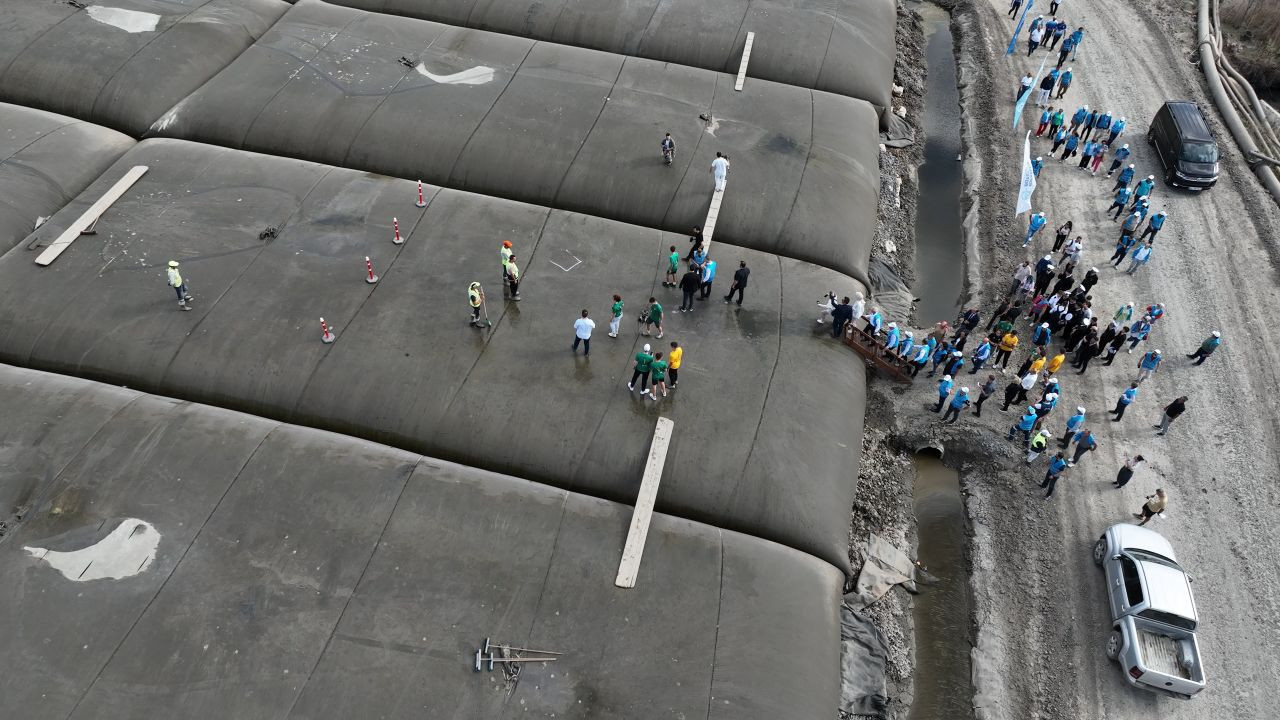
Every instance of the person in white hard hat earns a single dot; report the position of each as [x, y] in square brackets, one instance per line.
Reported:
[1148, 364]
[179, 285]
[1039, 442]
[958, 403]
[1206, 348]
[944, 391]
[643, 362]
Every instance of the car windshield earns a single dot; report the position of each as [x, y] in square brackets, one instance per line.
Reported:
[1200, 152]
[1148, 556]
[1169, 619]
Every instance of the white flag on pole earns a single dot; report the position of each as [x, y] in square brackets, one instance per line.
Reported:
[1028, 178]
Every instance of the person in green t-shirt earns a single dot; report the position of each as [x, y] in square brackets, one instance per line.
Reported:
[643, 362]
[616, 309]
[658, 371]
[673, 267]
[653, 318]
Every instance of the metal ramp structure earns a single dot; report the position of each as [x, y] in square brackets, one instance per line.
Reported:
[874, 353]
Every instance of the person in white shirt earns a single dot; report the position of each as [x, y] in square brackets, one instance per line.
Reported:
[720, 170]
[582, 328]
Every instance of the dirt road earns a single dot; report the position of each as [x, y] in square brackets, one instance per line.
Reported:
[1041, 607]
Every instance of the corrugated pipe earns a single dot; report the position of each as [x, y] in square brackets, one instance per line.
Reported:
[1209, 64]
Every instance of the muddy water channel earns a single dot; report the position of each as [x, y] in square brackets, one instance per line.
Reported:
[942, 610]
[939, 264]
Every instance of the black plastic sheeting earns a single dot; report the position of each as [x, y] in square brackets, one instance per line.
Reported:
[842, 47]
[123, 63]
[45, 161]
[298, 573]
[768, 413]
[558, 126]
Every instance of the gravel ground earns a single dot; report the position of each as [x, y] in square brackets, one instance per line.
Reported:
[1040, 608]
[883, 500]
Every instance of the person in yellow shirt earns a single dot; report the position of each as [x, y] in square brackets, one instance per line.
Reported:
[1037, 365]
[673, 362]
[1055, 362]
[1008, 344]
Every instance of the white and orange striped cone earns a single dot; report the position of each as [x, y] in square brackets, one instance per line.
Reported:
[326, 335]
[421, 201]
[397, 239]
[368, 264]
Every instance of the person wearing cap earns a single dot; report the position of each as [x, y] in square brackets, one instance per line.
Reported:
[1034, 225]
[643, 362]
[958, 403]
[941, 356]
[1141, 256]
[506, 258]
[615, 311]
[906, 345]
[1154, 505]
[582, 328]
[1126, 399]
[1139, 332]
[179, 285]
[1143, 189]
[891, 339]
[1041, 336]
[919, 359]
[1130, 225]
[1073, 425]
[1117, 128]
[1206, 348]
[1089, 280]
[1125, 177]
[1043, 408]
[1153, 226]
[1148, 364]
[1038, 443]
[1122, 196]
[1024, 425]
[475, 295]
[1171, 412]
[954, 364]
[1122, 153]
[1056, 467]
[944, 391]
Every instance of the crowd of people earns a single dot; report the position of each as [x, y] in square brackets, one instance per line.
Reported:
[1046, 317]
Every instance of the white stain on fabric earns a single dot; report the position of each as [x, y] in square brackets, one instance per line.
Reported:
[127, 551]
[478, 75]
[130, 21]
[168, 118]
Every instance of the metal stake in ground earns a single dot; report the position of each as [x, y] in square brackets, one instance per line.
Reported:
[480, 657]
[488, 645]
[368, 264]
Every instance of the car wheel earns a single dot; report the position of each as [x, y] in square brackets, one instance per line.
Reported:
[1151, 138]
[1115, 641]
[1168, 177]
[1100, 551]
